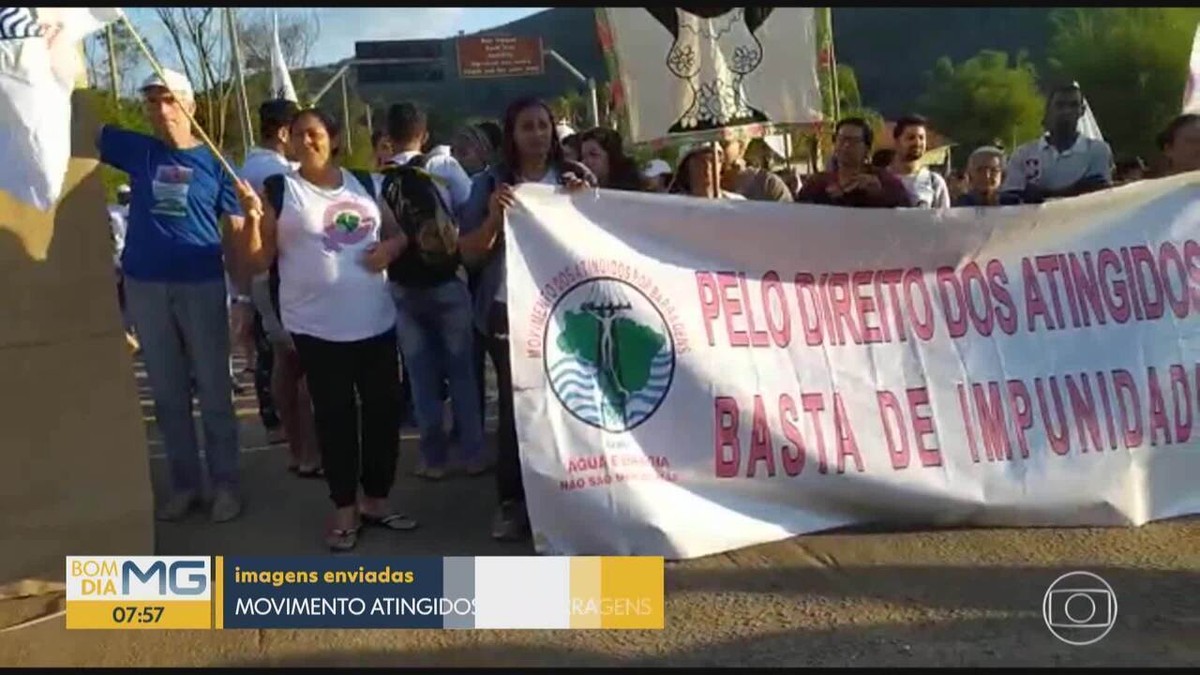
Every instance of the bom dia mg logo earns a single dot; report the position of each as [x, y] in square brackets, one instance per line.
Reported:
[137, 577]
[609, 354]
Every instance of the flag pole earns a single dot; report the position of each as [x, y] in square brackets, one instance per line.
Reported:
[347, 123]
[837, 103]
[158, 70]
[114, 78]
[243, 105]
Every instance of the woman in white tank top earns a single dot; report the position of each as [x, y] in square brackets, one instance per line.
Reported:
[327, 228]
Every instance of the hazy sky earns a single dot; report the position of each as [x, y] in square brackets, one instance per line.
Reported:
[341, 27]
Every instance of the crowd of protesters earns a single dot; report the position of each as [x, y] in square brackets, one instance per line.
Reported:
[376, 296]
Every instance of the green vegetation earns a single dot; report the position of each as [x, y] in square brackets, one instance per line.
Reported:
[121, 112]
[1132, 64]
[984, 98]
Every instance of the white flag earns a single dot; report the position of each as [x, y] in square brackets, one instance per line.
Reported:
[1191, 92]
[281, 79]
[39, 63]
[701, 70]
[1087, 124]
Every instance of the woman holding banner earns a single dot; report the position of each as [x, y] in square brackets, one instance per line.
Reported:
[531, 153]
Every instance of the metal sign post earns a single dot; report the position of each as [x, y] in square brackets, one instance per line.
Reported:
[593, 101]
[347, 64]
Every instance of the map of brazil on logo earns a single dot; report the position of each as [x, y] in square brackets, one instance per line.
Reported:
[609, 355]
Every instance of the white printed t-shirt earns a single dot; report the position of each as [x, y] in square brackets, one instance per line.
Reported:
[454, 184]
[1041, 164]
[927, 189]
[324, 289]
[118, 222]
[551, 178]
[261, 164]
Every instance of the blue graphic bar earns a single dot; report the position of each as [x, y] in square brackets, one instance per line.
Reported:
[333, 592]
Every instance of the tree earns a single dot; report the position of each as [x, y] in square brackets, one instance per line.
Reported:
[572, 108]
[127, 56]
[1132, 64]
[200, 40]
[847, 81]
[125, 113]
[983, 99]
[298, 33]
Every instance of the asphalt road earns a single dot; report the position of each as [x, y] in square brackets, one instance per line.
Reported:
[851, 598]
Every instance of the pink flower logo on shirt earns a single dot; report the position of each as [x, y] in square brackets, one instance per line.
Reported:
[346, 224]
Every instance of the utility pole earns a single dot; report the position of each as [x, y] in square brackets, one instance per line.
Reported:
[593, 102]
[345, 66]
[114, 78]
[243, 106]
[346, 116]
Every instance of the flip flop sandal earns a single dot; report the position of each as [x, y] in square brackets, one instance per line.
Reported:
[392, 521]
[342, 540]
[315, 472]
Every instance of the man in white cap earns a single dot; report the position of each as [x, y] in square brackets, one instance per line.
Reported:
[174, 270]
[569, 141]
[656, 176]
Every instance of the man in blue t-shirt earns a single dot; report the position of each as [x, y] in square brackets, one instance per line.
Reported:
[175, 288]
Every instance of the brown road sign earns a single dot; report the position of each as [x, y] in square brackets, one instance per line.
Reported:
[499, 56]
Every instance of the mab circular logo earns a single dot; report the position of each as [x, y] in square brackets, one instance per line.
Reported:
[609, 354]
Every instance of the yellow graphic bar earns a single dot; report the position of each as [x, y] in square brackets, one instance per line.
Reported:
[617, 593]
[632, 592]
[139, 615]
[218, 594]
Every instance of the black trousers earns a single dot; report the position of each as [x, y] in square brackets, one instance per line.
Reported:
[264, 364]
[338, 373]
[508, 458]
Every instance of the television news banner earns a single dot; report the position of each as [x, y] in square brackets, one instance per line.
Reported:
[1060, 291]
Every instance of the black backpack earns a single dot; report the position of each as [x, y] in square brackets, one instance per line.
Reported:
[273, 187]
[424, 216]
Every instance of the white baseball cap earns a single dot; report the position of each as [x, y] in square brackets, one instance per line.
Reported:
[655, 168]
[174, 81]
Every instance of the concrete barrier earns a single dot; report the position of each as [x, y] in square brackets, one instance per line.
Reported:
[74, 475]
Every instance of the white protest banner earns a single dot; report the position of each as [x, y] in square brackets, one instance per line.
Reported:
[694, 376]
[699, 69]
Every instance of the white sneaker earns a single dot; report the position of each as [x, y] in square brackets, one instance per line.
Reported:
[176, 507]
[226, 506]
